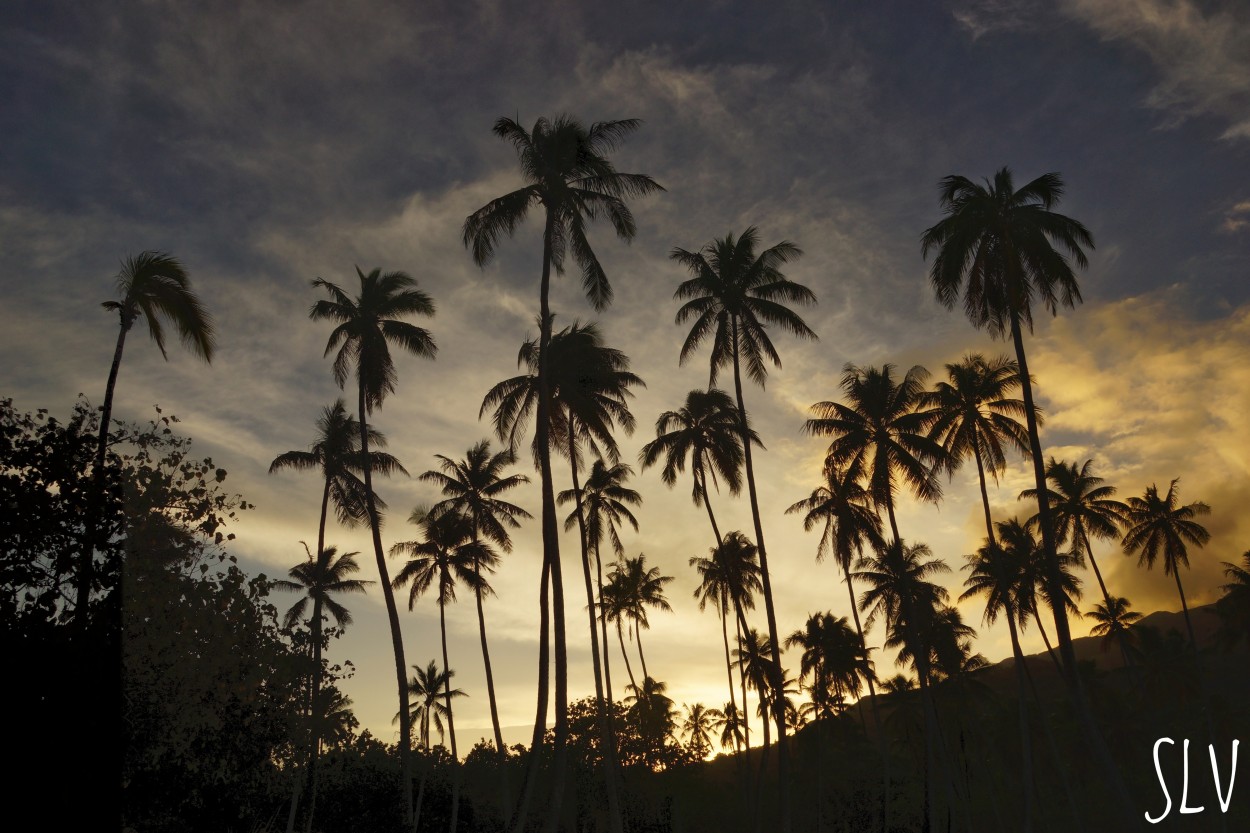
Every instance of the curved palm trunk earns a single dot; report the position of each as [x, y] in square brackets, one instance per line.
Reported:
[783, 759]
[621, 637]
[392, 614]
[1046, 641]
[607, 732]
[490, 685]
[540, 720]
[451, 720]
[1026, 754]
[1075, 686]
[642, 657]
[724, 631]
[92, 533]
[603, 625]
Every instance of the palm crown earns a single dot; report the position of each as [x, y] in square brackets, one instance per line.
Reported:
[706, 431]
[472, 487]
[155, 285]
[1160, 526]
[448, 554]
[974, 414]
[318, 578]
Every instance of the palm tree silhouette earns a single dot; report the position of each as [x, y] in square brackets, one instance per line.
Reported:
[154, 286]
[733, 297]
[1233, 607]
[883, 430]
[567, 172]
[318, 578]
[731, 725]
[1004, 241]
[1080, 508]
[1001, 577]
[1159, 526]
[1114, 623]
[1021, 545]
[833, 657]
[642, 587]
[449, 553]
[697, 726]
[473, 487]
[705, 430]
[336, 454]
[976, 418]
[429, 687]
[365, 328]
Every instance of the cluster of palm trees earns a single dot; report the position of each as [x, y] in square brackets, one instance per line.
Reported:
[998, 249]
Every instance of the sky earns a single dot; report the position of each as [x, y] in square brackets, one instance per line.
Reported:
[268, 144]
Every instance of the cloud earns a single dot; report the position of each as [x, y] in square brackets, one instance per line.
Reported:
[980, 17]
[1236, 218]
[1203, 56]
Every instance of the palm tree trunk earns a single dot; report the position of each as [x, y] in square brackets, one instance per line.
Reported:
[872, 701]
[490, 677]
[783, 760]
[606, 730]
[641, 656]
[702, 481]
[1026, 755]
[92, 533]
[603, 626]
[985, 497]
[621, 637]
[451, 720]
[1102, 585]
[1046, 642]
[392, 612]
[315, 741]
[1075, 687]
[540, 720]
[724, 631]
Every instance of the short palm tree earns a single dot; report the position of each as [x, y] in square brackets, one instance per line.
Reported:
[318, 579]
[643, 588]
[833, 658]
[1011, 248]
[732, 298]
[152, 286]
[1114, 623]
[1160, 526]
[1081, 508]
[474, 487]
[1233, 607]
[428, 687]
[567, 172]
[706, 431]
[365, 327]
[731, 725]
[651, 710]
[882, 431]
[697, 725]
[1022, 546]
[976, 418]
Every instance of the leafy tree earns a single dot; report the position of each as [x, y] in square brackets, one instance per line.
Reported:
[567, 172]
[733, 296]
[1160, 526]
[365, 328]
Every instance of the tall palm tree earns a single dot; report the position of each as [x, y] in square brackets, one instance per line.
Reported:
[603, 503]
[1080, 508]
[473, 487]
[154, 286]
[365, 327]
[881, 432]
[706, 431]
[644, 588]
[318, 578]
[1007, 243]
[568, 174]
[1160, 526]
[1114, 623]
[336, 454]
[1000, 578]
[733, 296]
[449, 554]
[976, 418]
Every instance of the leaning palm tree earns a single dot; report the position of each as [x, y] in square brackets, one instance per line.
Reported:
[474, 487]
[1114, 623]
[1007, 243]
[706, 431]
[336, 454]
[449, 554]
[1080, 507]
[318, 579]
[733, 297]
[152, 286]
[881, 432]
[568, 174]
[976, 417]
[1000, 578]
[365, 328]
[1160, 526]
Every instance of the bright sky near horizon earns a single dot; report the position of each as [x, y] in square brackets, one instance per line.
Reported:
[268, 144]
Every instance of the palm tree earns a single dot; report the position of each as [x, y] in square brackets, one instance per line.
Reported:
[643, 588]
[1021, 545]
[833, 657]
[473, 487]
[1080, 508]
[1114, 623]
[975, 417]
[706, 431]
[697, 726]
[603, 503]
[336, 453]
[318, 578]
[1004, 241]
[429, 687]
[882, 431]
[1001, 577]
[1233, 607]
[734, 569]
[1160, 526]
[733, 297]
[567, 172]
[754, 656]
[153, 286]
[449, 554]
[716, 585]
[731, 725]
[365, 328]
[652, 712]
